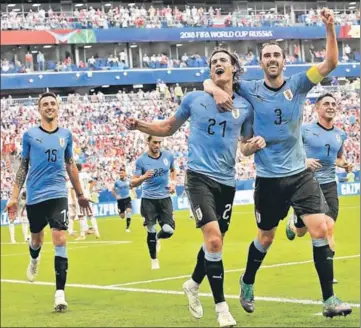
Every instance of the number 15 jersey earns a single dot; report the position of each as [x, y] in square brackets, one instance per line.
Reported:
[47, 152]
[278, 115]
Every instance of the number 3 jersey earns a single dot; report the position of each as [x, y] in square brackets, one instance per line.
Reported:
[157, 186]
[278, 115]
[213, 139]
[47, 152]
[325, 145]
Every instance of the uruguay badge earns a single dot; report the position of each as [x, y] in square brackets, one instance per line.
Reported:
[62, 142]
[235, 113]
[288, 94]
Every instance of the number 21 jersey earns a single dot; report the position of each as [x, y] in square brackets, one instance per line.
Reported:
[47, 152]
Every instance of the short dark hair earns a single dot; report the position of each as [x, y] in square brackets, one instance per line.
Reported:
[235, 62]
[122, 169]
[149, 138]
[324, 96]
[79, 166]
[47, 94]
[271, 43]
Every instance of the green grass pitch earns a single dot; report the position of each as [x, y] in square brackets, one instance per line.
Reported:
[111, 284]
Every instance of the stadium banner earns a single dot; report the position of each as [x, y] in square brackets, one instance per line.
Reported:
[147, 76]
[84, 36]
[242, 197]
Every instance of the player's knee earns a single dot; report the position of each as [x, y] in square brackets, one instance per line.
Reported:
[214, 244]
[330, 226]
[122, 215]
[319, 230]
[265, 240]
[168, 230]
[59, 237]
[37, 239]
[152, 228]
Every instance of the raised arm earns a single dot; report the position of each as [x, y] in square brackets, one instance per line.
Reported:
[162, 128]
[331, 58]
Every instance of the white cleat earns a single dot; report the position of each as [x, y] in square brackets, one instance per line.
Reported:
[158, 246]
[33, 269]
[80, 238]
[127, 230]
[13, 241]
[194, 304]
[60, 305]
[224, 317]
[97, 236]
[155, 264]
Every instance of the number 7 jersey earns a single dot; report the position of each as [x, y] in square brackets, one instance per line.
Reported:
[278, 115]
[325, 145]
[47, 152]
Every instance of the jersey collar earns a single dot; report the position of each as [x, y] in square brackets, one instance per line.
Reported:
[274, 89]
[160, 155]
[49, 132]
[322, 127]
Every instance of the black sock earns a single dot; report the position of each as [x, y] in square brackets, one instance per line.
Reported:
[152, 244]
[323, 259]
[199, 271]
[255, 259]
[215, 275]
[128, 222]
[34, 253]
[61, 269]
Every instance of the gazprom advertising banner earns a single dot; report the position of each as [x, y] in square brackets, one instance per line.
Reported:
[242, 197]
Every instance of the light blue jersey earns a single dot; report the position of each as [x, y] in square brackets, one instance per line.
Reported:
[157, 186]
[214, 136]
[47, 152]
[325, 145]
[278, 115]
[122, 188]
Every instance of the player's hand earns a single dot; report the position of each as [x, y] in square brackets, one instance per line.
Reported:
[85, 204]
[131, 123]
[348, 167]
[12, 208]
[257, 142]
[148, 174]
[313, 164]
[223, 100]
[171, 188]
[327, 16]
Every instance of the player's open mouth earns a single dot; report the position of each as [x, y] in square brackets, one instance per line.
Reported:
[219, 71]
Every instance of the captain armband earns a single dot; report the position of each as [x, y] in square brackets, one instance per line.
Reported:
[314, 76]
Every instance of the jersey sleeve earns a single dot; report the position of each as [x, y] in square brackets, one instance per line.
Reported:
[69, 147]
[138, 167]
[247, 126]
[184, 110]
[246, 88]
[301, 82]
[26, 146]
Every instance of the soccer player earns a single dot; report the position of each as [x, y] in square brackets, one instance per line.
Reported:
[86, 182]
[121, 191]
[210, 178]
[22, 217]
[283, 179]
[45, 149]
[152, 171]
[324, 149]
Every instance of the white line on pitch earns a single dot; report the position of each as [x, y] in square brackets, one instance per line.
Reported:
[229, 271]
[169, 292]
[95, 244]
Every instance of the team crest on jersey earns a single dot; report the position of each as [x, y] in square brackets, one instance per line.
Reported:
[235, 113]
[165, 162]
[288, 94]
[62, 142]
[338, 138]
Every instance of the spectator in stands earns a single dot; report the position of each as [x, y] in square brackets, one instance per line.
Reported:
[146, 60]
[40, 60]
[123, 57]
[91, 62]
[28, 60]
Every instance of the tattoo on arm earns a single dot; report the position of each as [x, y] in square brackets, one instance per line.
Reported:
[69, 161]
[22, 172]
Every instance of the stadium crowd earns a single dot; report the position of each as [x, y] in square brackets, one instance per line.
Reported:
[102, 142]
[140, 17]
